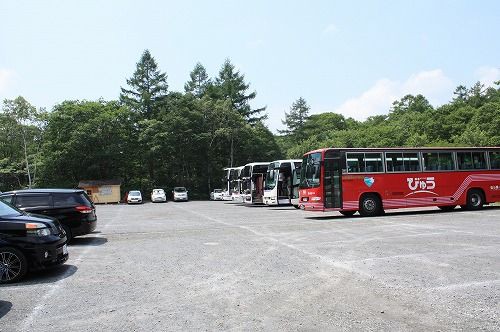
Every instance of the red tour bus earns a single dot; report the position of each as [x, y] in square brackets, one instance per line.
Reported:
[370, 180]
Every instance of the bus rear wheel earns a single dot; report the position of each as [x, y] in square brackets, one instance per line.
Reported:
[475, 199]
[347, 213]
[370, 205]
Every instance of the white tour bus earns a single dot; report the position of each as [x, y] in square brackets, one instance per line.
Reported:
[226, 184]
[235, 181]
[279, 184]
[252, 182]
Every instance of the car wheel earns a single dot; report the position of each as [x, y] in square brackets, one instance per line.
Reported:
[13, 265]
[475, 199]
[370, 205]
[347, 213]
[67, 230]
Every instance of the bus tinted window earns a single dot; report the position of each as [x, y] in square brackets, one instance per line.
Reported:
[495, 160]
[394, 162]
[471, 160]
[438, 161]
[373, 162]
[355, 162]
[402, 162]
[410, 162]
[364, 162]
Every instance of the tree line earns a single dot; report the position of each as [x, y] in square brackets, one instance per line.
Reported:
[152, 137]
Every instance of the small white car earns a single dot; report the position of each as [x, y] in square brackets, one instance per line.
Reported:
[134, 197]
[158, 195]
[180, 194]
[216, 195]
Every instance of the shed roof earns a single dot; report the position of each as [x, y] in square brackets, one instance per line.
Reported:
[95, 183]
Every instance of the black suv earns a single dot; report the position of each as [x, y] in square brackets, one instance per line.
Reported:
[72, 207]
[28, 242]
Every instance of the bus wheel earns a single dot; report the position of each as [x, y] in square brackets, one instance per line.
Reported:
[475, 199]
[447, 207]
[370, 205]
[347, 213]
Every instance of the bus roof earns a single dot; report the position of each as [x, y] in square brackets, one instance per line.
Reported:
[408, 149]
[287, 161]
[258, 163]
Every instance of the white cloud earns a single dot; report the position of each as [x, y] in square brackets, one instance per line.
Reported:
[330, 28]
[434, 85]
[487, 75]
[6, 77]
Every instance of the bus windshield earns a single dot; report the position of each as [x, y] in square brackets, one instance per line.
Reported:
[272, 176]
[310, 171]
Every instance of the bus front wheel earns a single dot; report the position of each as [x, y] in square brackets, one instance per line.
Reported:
[370, 205]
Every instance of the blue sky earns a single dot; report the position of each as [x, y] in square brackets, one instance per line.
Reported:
[351, 57]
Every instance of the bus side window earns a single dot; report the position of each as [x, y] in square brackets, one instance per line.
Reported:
[478, 160]
[495, 160]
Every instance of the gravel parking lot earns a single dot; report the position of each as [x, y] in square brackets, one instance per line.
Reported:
[224, 266]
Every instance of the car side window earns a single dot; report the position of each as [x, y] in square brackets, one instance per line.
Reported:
[7, 199]
[27, 201]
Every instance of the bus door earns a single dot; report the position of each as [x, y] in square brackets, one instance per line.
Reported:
[295, 183]
[332, 181]
[284, 183]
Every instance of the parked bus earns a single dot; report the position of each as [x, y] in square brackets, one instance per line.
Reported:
[226, 184]
[372, 180]
[294, 199]
[252, 182]
[235, 179]
[278, 188]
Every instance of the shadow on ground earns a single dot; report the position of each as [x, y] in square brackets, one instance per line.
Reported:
[88, 241]
[46, 276]
[394, 213]
[5, 307]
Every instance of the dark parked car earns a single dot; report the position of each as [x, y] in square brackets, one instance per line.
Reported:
[28, 242]
[72, 207]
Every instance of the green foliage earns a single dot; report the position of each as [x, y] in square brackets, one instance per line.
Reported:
[230, 85]
[471, 119]
[148, 87]
[295, 120]
[199, 81]
[19, 143]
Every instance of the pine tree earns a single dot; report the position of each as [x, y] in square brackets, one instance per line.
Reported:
[148, 87]
[230, 84]
[199, 81]
[294, 121]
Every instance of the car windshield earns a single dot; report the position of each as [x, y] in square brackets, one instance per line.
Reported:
[134, 193]
[158, 192]
[8, 211]
[179, 189]
[217, 191]
[310, 170]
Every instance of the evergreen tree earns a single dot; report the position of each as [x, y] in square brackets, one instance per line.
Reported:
[295, 120]
[148, 87]
[199, 81]
[230, 84]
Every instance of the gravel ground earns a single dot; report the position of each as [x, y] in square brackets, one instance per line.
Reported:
[224, 266]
